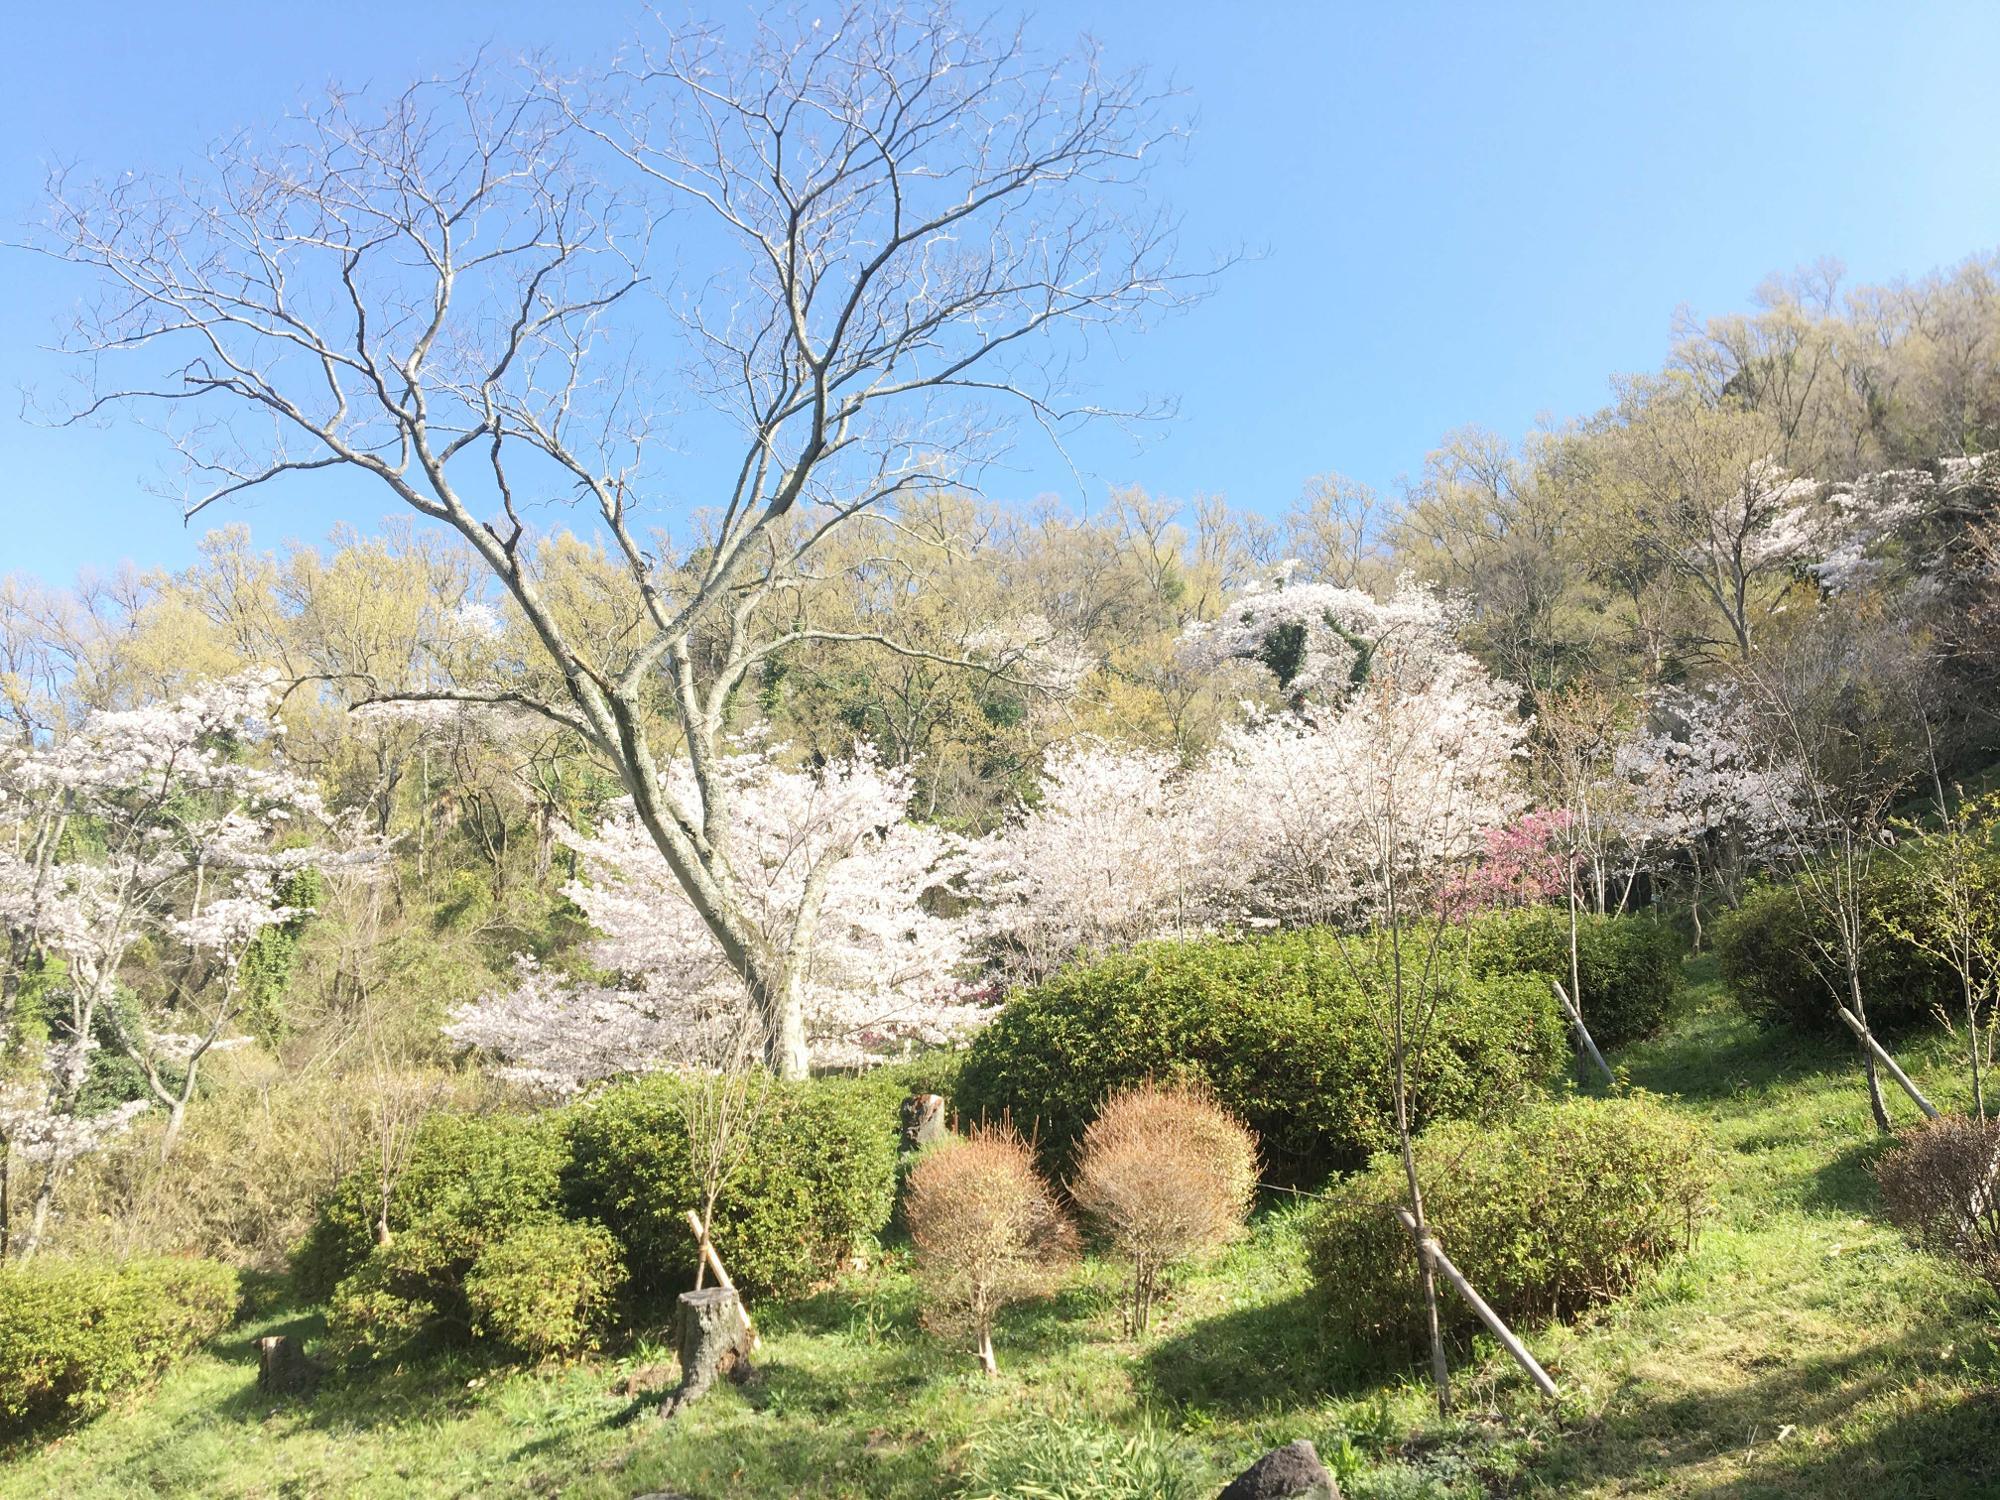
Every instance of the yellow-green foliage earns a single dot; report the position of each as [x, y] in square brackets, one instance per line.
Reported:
[1546, 1214]
[75, 1334]
[545, 1289]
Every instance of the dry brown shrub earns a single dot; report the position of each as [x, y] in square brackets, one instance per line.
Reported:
[1164, 1174]
[988, 1231]
[1941, 1183]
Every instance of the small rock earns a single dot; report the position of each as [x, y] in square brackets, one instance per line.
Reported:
[1292, 1472]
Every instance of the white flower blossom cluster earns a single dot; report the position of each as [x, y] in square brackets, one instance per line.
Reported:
[186, 803]
[1697, 774]
[837, 881]
[1336, 637]
[1299, 817]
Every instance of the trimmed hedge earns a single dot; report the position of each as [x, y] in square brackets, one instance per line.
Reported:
[590, 1194]
[470, 1181]
[1629, 966]
[546, 1289]
[1276, 1026]
[1547, 1214]
[818, 1177]
[75, 1334]
[1767, 948]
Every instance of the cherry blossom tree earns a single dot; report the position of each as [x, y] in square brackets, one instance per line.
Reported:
[1700, 789]
[1276, 825]
[1324, 642]
[831, 873]
[1526, 862]
[172, 826]
[1108, 854]
[1294, 808]
[908, 227]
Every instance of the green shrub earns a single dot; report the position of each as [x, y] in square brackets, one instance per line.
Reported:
[1277, 1027]
[1546, 1214]
[817, 1176]
[383, 1305]
[1771, 958]
[545, 1289]
[74, 1334]
[469, 1180]
[1629, 967]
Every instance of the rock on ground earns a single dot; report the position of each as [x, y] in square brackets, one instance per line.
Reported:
[1292, 1472]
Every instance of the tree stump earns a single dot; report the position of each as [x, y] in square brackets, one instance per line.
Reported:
[713, 1339]
[283, 1367]
[923, 1120]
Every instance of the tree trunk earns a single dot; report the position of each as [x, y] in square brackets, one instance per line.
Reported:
[780, 1001]
[1878, 1054]
[986, 1360]
[1972, 1044]
[1420, 1230]
[1431, 1252]
[712, 1338]
[38, 1216]
[176, 1117]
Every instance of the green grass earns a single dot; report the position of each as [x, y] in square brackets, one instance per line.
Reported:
[1801, 1350]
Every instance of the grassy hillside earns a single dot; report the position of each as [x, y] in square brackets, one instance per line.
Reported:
[1801, 1350]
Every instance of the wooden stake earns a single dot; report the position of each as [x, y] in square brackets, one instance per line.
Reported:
[714, 1263]
[1867, 1037]
[1442, 1263]
[1583, 1033]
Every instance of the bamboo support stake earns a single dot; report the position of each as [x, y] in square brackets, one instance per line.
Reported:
[1583, 1033]
[1442, 1262]
[714, 1263]
[1867, 1037]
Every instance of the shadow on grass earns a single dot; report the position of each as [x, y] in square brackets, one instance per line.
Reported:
[430, 1383]
[1719, 1053]
[784, 1460]
[1846, 1183]
[1891, 1422]
[1245, 1361]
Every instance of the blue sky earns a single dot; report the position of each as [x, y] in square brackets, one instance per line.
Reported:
[1466, 213]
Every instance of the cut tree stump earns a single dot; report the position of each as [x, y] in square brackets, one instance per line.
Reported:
[1292, 1472]
[923, 1120]
[712, 1340]
[283, 1367]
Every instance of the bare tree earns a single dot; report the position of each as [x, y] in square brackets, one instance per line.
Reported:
[1710, 499]
[1846, 763]
[916, 223]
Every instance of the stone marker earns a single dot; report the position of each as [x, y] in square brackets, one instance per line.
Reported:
[1292, 1472]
